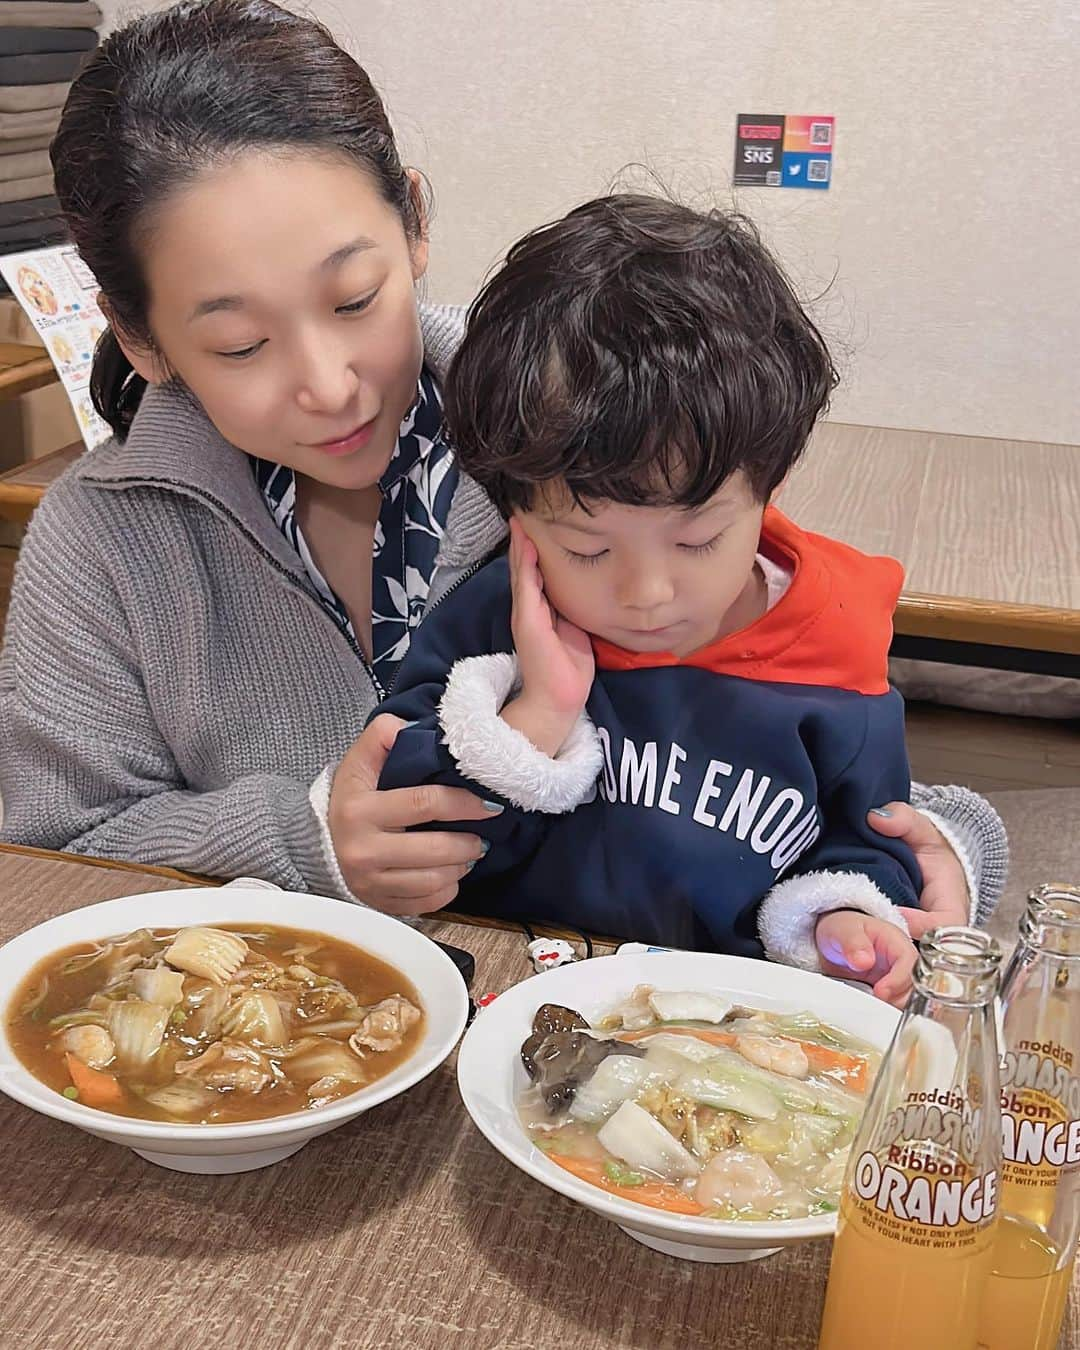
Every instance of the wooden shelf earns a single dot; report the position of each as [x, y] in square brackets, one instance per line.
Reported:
[22, 488]
[23, 368]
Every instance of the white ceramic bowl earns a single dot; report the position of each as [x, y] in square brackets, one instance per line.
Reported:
[240, 1147]
[491, 1077]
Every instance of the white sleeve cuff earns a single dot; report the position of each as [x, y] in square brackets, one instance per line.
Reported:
[319, 797]
[954, 842]
[489, 751]
[789, 912]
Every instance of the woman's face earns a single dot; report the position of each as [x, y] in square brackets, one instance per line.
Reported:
[281, 293]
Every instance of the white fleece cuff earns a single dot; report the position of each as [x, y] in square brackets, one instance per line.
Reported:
[789, 912]
[953, 840]
[319, 797]
[489, 751]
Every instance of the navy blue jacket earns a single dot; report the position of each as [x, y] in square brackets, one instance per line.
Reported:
[753, 760]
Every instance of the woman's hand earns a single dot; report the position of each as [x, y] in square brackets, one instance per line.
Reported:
[555, 658]
[385, 867]
[944, 899]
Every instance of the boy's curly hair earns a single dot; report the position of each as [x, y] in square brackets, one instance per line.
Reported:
[639, 352]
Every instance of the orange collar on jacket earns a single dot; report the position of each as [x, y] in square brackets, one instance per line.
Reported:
[832, 627]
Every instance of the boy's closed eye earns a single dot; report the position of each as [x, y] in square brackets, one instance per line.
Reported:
[706, 546]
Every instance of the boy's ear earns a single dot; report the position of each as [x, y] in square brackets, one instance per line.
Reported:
[144, 360]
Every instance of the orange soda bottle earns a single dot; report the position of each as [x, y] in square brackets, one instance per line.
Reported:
[917, 1213]
[1039, 1225]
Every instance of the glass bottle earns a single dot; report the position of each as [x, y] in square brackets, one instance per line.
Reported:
[918, 1209]
[1039, 1224]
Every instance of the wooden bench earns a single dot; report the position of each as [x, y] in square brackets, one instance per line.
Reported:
[988, 532]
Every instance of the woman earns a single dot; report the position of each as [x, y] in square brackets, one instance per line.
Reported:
[208, 608]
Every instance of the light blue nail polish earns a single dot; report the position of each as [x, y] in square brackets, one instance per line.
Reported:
[493, 807]
[485, 845]
[881, 811]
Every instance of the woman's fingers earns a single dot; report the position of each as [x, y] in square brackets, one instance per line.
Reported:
[419, 883]
[428, 904]
[398, 808]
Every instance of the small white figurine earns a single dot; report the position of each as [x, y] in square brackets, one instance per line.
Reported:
[547, 953]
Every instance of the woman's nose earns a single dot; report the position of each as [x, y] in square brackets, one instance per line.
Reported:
[328, 384]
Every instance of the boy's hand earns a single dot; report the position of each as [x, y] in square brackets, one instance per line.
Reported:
[555, 658]
[857, 946]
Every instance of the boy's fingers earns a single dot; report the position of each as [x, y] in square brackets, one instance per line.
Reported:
[920, 921]
[895, 985]
[859, 954]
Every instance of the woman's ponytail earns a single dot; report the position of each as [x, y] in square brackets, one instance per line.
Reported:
[116, 389]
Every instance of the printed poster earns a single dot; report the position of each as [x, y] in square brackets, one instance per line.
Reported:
[59, 294]
[782, 150]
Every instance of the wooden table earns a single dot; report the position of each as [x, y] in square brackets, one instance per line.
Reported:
[24, 367]
[988, 532]
[403, 1230]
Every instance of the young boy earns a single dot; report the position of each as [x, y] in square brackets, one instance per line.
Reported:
[678, 698]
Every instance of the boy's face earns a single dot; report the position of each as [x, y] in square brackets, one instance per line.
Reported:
[651, 578]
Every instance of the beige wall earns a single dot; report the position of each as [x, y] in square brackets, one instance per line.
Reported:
[953, 225]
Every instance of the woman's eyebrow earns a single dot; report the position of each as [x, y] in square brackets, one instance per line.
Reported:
[222, 304]
[219, 304]
[358, 245]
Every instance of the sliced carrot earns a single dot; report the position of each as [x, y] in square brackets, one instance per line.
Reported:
[849, 1070]
[657, 1194]
[94, 1086]
[701, 1033]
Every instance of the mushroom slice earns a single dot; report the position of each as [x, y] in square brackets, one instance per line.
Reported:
[209, 952]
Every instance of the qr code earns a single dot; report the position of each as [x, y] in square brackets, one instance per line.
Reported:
[817, 171]
[821, 133]
[772, 178]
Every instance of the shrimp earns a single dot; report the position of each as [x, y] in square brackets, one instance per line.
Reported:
[738, 1178]
[92, 1044]
[775, 1053]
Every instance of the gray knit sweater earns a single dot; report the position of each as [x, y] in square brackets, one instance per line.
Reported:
[171, 686]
